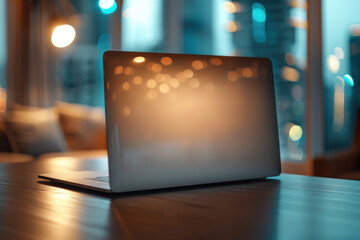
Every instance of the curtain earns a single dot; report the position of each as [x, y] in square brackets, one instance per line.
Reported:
[29, 53]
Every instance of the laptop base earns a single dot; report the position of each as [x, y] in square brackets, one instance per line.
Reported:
[94, 180]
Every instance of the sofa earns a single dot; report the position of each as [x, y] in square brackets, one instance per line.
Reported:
[65, 129]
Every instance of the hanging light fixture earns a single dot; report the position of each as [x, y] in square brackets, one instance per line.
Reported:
[63, 30]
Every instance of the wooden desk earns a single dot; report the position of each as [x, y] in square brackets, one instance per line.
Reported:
[286, 207]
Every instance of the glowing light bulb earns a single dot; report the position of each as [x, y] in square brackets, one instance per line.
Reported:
[63, 36]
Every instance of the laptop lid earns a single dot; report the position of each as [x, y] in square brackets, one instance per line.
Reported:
[176, 119]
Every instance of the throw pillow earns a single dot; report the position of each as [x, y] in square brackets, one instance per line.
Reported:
[33, 130]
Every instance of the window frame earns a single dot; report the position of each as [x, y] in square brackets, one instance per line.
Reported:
[314, 94]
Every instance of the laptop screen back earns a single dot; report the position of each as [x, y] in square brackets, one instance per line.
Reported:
[177, 119]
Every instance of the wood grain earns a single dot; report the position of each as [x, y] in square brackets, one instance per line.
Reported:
[285, 207]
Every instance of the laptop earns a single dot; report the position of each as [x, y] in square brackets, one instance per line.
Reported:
[177, 120]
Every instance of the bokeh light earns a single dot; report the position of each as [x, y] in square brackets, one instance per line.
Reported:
[194, 83]
[339, 104]
[164, 88]
[339, 53]
[232, 7]
[63, 36]
[247, 72]
[139, 59]
[118, 70]
[166, 61]
[333, 63]
[151, 83]
[297, 92]
[290, 74]
[2, 100]
[181, 77]
[232, 26]
[197, 65]
[258, 22]
[188, 73]
[174, 83]
[349, 80]
[126, 86]
[258, 12]
[107, 6]
[289, 59]
[215, 61]
[355, 30]
[137, 80]
[128, 71]
[165, 77]
[158, 77]
[156, 68]
[232, 76]
[295, 133]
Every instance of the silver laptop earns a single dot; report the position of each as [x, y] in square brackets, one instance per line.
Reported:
[177, 120]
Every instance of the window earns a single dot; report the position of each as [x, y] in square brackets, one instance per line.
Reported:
[341, 65]
[80, 67]
[276, 29]
[142, 25]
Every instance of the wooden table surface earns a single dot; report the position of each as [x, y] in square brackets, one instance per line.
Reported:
[285, 207]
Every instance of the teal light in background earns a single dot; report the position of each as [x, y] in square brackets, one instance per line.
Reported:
[349, 80]
[258, 12]
[143, 18]
[107, 6]
[258, 22]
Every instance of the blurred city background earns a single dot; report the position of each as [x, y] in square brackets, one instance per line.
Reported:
[68, 37]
